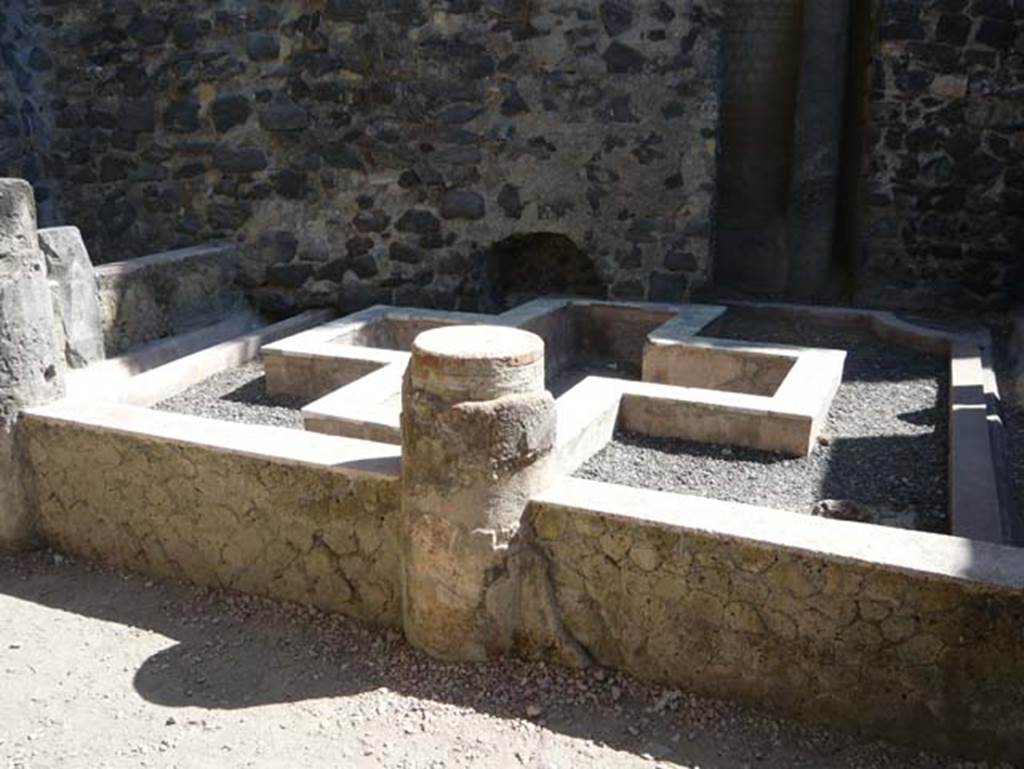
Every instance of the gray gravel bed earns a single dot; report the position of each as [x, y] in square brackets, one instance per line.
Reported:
[237, 395]
[884, 446]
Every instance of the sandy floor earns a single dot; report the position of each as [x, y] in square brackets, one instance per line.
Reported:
[101, 669]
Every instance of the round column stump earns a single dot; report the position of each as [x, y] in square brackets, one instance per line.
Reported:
[478, 436]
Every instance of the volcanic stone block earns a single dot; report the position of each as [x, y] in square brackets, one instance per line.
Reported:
[32, 370]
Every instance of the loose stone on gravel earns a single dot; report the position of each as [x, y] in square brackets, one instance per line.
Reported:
[884, 447]
[237, 395]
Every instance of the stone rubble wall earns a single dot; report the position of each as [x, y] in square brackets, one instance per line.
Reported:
[943, 171]
[373, 152]
[161, 295]
[317, 536]
[933, 662]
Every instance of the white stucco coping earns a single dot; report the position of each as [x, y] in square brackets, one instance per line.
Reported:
[161, 351]
[363, 409]
[787, 421]
[163, 374]
[884, 324]
[586, 418]
[279, 444]
[326, 340]
[936, 556]
[323, 341]
[321, 336]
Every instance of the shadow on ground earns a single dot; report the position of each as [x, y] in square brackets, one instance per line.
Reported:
[234, 652]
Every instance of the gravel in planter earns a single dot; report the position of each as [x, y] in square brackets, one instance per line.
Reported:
[1011, 403]
[237, 395]
[883, 448]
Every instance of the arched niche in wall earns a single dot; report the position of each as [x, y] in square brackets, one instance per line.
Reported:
[526, 266]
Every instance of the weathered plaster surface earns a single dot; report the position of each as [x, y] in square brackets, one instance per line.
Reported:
[374, 152]
[315, 535]
[165, 294]
[925, 644]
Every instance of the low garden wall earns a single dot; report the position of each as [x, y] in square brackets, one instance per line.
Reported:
[313, 520]
[906, 635]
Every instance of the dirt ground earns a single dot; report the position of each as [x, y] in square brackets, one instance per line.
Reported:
[104, 669]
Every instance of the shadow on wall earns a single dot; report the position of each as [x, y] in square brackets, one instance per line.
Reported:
[524, 267]
[871, 471]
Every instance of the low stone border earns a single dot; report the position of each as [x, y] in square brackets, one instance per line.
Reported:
[167, 367]
[368, 408]
[267, 510]
[770, 397]
[167, 293]
[979, 508]
[906, 635]
[903, 634]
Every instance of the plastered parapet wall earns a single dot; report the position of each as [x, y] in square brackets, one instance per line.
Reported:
[913, 636]
[910, 636]
[373, 152]
[168, 293]
[278, 526]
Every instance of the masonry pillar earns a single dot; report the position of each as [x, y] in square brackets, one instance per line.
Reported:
[817, 143]
[478, 434]
[30, 368]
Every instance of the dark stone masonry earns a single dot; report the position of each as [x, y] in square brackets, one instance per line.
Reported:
[403, 151]
[944, 162]
[377, 151]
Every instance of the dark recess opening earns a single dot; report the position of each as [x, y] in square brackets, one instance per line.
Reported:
[524, 267]
[856, 128]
